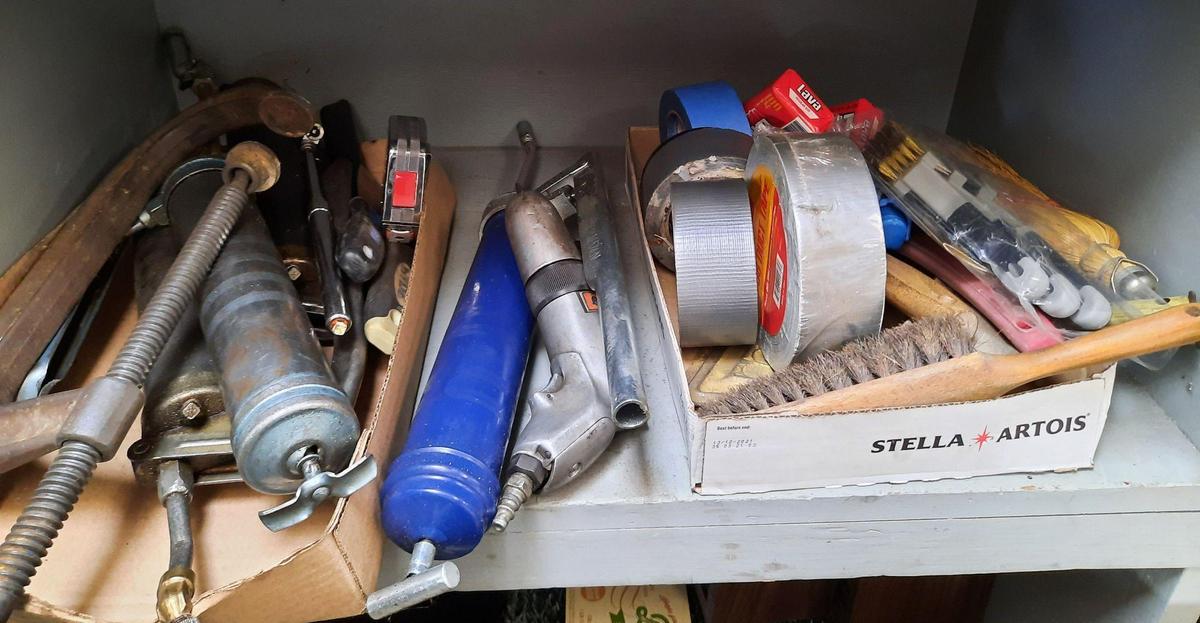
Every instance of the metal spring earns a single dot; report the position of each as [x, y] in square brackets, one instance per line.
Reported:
[35, 529]
[27, 544]
[179, 287]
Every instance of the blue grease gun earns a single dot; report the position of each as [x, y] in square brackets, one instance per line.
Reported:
[442, 491]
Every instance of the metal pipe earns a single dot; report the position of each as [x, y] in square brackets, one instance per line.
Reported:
[602, 266]
[177, 585]
[179, 520]
[29, 429]
[529, 161]
[101, 419]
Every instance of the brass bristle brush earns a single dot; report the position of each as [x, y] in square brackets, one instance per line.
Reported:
[974, 376]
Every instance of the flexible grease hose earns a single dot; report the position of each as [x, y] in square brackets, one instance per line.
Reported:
[102, 417]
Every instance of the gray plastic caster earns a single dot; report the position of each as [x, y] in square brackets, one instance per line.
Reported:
[1094, 312]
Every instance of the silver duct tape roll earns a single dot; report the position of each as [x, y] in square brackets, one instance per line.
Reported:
[714, 263]
[819, 247]
[699, 154]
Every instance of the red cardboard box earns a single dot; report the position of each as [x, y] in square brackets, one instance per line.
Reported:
[790, 104]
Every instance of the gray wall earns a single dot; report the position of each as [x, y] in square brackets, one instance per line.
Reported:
[580, 71]
[81, 85]
[1096, 102]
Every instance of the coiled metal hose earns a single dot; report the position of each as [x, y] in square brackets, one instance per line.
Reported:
[34, 532]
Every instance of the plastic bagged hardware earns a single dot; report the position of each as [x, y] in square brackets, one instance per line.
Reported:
[1005, 230]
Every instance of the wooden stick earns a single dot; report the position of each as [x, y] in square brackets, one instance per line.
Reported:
[917, 295]
[981, 376]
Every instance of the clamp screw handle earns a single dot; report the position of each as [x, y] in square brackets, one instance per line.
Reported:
[317, 487]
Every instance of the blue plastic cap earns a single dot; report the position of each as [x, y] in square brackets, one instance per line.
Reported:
[896, 226]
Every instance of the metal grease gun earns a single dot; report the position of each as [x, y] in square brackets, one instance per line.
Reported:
[442, 491]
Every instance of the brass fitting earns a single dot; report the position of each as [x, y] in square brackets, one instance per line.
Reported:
[175, 590]
[257, 160]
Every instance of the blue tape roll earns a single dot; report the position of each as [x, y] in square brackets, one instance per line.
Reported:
[705, 105]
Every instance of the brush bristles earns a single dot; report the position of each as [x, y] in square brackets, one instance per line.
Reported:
[892, 151]
[905, 347]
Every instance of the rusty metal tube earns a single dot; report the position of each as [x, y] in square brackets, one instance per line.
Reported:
[29, 429]
[274, 376]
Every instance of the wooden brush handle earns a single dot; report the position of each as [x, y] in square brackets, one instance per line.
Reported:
[918, 295]
[979, 376]
[1171, 328]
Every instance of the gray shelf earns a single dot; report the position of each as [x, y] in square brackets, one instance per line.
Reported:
[633, 519]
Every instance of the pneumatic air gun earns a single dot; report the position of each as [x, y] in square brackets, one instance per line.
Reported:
[583, 319]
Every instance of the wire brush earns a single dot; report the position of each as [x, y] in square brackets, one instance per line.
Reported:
[907, 346]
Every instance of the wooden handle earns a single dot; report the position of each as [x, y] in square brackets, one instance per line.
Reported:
[979, 376]
[919, 296]
[1171, 328]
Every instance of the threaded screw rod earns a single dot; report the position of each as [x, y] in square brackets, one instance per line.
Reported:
[31, 537]
[183, 279]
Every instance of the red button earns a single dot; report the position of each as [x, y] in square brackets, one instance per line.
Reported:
[404, 189]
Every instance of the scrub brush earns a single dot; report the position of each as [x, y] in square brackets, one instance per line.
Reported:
[973, 376]
[907, 346]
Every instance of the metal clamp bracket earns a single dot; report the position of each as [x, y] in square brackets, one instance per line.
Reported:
[561, 188]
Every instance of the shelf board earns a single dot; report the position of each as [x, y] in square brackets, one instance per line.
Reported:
[633, 518]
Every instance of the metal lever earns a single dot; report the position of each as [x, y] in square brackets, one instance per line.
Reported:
[422, 583]
[317, 487]
[333, 295]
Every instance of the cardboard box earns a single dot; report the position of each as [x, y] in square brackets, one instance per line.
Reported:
[1053, 428]
[105, 564]
[790, 103]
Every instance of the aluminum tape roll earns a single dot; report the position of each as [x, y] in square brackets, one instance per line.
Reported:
[819, 247]
[714, 263]
[700, 154]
